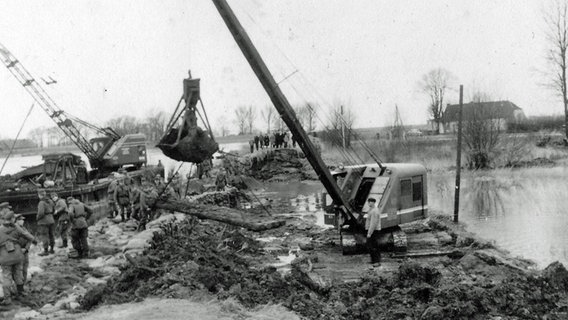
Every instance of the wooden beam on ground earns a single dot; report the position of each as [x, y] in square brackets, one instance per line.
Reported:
[423, 254]
[222, 214]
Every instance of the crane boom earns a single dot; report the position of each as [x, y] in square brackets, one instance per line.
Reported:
[282, 106]
[33, 87]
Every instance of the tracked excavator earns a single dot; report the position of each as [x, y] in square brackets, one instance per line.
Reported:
[400, 188]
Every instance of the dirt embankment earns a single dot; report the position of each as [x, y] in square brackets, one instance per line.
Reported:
[477, 281]
[275, 165]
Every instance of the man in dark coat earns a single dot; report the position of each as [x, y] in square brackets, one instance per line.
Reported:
[62, 218]
[79, 213]
[45, 223]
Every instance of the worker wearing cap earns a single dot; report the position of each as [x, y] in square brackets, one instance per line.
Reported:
[11, 255]
[135, 190]
[79, 213]
[159, 182]
[373, 226]
[5, 205]
[122, 198]
[62, 218]
[148, 197]
[46, 223]
[25, 243]
[221, 180]
[110, 195]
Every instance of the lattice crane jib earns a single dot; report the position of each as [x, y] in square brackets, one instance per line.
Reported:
[33, 87]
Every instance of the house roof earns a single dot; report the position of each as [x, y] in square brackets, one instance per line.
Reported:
[482, 110]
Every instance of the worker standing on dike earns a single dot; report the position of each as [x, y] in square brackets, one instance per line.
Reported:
[110, 195]
[373, 226]
[46, 222]
[79, 213]
[11, 255]
[25, 243]
[62, 218]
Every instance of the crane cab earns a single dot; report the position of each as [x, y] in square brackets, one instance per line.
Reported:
[400, 190]
[129, 150]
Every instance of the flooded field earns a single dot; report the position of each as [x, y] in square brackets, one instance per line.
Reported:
[523, 211]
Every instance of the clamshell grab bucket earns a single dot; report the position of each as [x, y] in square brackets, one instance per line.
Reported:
[196, 147]
[193, 144]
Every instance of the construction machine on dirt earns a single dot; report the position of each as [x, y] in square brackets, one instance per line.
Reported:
[186, 141]
[400, 189]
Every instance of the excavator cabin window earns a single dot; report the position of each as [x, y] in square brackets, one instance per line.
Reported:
[362, 193]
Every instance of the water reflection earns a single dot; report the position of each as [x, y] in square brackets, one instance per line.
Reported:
[522, 210]
[483, 196]
[298, 199]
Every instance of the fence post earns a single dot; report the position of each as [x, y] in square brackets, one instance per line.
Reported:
[458, 160]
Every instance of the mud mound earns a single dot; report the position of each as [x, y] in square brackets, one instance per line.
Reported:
[277, 165]
[192, 257]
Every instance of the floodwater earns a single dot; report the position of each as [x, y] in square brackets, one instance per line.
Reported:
[523, 210]
[18, 162]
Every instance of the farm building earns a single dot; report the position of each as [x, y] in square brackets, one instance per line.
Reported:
[502, 112]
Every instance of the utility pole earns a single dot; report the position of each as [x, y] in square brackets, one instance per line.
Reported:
[342, 128]
[458, 160]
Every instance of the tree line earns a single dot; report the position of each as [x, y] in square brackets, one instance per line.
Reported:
[152, 126]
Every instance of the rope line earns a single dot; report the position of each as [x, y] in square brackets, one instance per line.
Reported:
[17, 136]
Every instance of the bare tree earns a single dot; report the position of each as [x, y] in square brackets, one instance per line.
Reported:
[241, 118]
[250, 117]
[481, 131]
[155, 124]
[125, 125]
[434, 84]
[278, 123]
[340, 127]
[306, 116]
[556, 20]
[267, 115]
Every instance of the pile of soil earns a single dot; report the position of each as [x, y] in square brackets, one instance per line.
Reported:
[276, 165]
[192, 257]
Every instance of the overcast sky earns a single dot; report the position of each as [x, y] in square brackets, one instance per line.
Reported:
[115, 58]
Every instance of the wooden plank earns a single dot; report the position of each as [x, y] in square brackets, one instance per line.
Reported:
[222, 214]
[422, 254]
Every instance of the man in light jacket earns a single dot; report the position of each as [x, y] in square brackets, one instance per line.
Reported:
[373, 226]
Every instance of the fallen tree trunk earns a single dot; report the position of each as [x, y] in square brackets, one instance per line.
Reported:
[221, 214]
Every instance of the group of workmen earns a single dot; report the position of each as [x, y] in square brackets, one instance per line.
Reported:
[278, 139]
[15, 240]
[133, 198]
